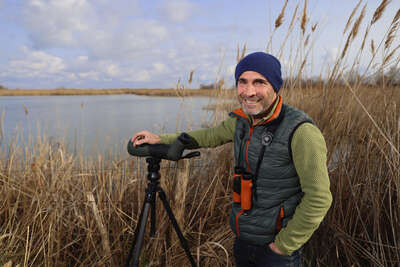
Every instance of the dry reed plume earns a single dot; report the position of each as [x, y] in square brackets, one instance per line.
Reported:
[279, 19]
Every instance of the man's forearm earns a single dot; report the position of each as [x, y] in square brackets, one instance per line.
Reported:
[207, 137]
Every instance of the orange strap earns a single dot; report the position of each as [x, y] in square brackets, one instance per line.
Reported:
[237, 223]
[280, 218]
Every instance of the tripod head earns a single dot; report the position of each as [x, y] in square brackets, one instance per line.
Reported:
[172, 152]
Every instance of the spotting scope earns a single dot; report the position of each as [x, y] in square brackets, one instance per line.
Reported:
[172, 152]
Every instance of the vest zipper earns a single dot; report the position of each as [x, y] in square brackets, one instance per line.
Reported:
[274, 116]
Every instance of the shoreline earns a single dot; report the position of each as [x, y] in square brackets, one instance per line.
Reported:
[147, 92]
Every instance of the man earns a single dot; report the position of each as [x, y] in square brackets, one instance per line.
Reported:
[281, 184]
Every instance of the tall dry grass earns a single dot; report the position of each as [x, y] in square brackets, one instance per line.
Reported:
[361, 227]
[58, 209]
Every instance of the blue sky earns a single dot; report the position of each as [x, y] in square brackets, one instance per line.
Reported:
[155, 44]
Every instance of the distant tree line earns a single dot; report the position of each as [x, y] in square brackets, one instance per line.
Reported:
[215, 85]
[390, 78]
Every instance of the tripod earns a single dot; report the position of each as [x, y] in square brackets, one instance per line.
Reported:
[153, 187]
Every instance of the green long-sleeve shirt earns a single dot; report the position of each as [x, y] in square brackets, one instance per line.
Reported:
[309, 157]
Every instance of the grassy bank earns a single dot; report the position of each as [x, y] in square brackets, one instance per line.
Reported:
[146, 92]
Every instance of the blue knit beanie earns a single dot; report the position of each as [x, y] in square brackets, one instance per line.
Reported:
[265, 64]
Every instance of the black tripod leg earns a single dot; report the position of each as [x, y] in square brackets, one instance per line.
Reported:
[153, 218]
[128, 261]
[139, 235]
[176, 227]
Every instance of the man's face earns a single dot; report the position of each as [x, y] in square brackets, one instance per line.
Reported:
[255, 93]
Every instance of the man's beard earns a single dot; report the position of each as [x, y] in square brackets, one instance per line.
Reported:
[262, 106]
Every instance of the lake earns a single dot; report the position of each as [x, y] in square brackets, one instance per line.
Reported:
[92, 124]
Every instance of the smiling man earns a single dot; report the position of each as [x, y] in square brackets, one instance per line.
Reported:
[255, 93]
[280, 181]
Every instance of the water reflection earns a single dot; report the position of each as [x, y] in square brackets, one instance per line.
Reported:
[90, 124]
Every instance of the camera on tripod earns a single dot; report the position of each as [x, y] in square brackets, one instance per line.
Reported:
[155, 153]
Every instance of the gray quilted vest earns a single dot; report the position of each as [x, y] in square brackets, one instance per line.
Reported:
[277, 191]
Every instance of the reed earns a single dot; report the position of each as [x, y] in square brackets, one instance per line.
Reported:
[279, 19]
[58, 210]
[379, 11]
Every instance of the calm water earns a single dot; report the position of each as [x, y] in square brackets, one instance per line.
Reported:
[93, 124]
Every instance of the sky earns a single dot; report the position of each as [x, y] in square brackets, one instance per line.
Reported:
[156, 44]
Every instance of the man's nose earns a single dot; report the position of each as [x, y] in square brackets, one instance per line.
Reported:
[250, 90]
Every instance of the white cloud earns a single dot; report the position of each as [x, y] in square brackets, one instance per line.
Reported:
[35, 64]
[92, 75]
[159, 67]
[177, 10]
[96, 70]
[57, 23]
[83, 58]
[93, 42]
[332, 54]
[141, 76]
[105, 70]
[172, 54]
[93, 27]
[136, 38]
[113, 70]
[71, 76]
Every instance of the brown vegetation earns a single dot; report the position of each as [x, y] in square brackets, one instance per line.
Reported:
[60, 210]
[148, 92]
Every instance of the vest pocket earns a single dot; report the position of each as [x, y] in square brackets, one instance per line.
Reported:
[256, 226]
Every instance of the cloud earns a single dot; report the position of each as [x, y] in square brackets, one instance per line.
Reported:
[92, 75]
[57, 23]
[93, 27]
[332, 54]
[140, 76]
[113, 70]
[159, 67]
[82, 58]
[101, 43]
[128, 42]
[177, 10]
[35, 64]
